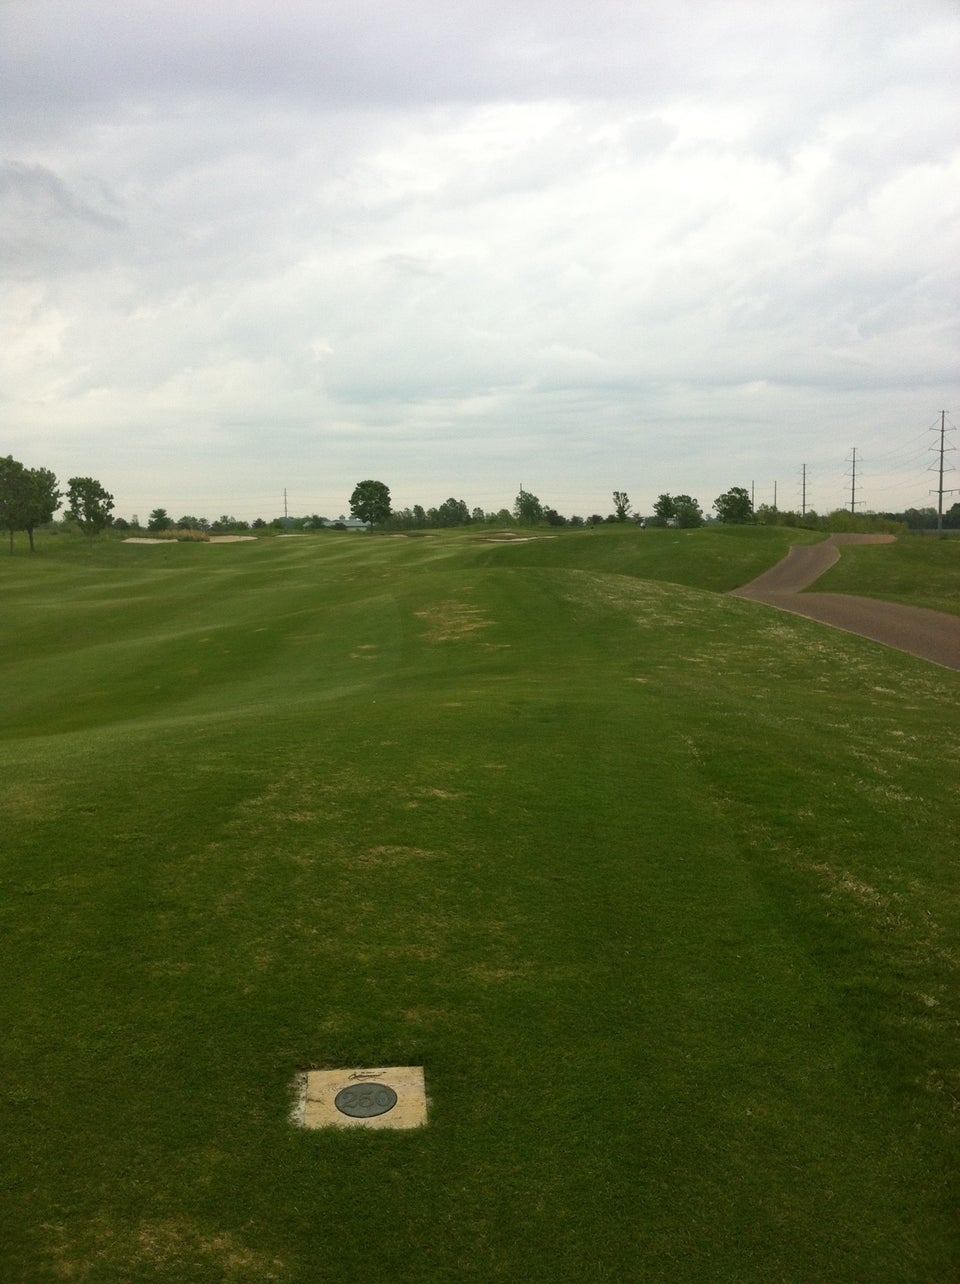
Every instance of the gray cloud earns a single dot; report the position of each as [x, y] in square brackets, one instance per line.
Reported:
[615, 245]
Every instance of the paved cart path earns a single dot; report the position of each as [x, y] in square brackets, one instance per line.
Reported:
[931, 635]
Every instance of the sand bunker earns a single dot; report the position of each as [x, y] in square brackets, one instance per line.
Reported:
[214, 539]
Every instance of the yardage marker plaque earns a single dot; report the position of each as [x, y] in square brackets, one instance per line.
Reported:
[362, 1097]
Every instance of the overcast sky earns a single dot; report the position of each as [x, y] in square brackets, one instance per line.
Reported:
[464, 245]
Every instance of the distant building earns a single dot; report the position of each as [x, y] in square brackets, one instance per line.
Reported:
[346, 523]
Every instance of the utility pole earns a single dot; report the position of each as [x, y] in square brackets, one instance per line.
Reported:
[803, 493]
[284, 503]
[853, 483]
[774, 496]
[940, 491]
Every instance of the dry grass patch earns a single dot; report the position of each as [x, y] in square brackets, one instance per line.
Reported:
[393, 856]
[452, 622]
[102, 1251]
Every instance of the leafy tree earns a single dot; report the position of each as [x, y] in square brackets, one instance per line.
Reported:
[90, 504]
[621, 502]
[553, 518]
[678, 510]
[15, 492]
[921, 519]
[734, 506]
[227, 522]
[478, 515]
[453, 512]
[687, 511]
[160, 520]
[44, 499]
[527, 508]
[665, 508]
[28, 497]
[370, 502]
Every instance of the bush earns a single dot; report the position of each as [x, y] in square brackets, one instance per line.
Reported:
[183, 535]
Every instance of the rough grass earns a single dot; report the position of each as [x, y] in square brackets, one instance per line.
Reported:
[658, 888]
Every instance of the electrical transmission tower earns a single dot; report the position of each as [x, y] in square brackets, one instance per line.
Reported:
[853, 482]
[940, 492]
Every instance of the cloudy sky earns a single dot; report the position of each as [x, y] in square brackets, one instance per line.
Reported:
[464, 245]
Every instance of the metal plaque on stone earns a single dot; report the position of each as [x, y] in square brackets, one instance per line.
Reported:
[365, 1100]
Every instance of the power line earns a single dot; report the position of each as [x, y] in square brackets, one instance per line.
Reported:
[940, 491]
[853, 482]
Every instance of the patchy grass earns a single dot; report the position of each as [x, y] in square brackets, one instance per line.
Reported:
[657, 887]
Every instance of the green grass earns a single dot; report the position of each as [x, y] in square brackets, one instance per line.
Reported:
[658, 887]
[719, 558]
[917, 570]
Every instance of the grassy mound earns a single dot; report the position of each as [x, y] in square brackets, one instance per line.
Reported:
[656, 885]
[920, 571]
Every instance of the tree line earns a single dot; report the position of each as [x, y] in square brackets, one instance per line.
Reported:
[29, 497]
[370, 503]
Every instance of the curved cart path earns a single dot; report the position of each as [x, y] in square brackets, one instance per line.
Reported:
[931, 635]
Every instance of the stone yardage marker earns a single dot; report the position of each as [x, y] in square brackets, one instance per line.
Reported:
[392, 1097]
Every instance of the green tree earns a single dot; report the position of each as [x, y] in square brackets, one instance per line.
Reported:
[28, 497]
[734, 506]
[621, 502]
[226, 523]
[15, 492]
[44, 500]
[665, 509]
[527, 508]
[453, 512]
[159, 520]
[370, 502]
[687, 511]
[90, 505]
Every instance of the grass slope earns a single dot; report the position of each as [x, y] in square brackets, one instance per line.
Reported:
[920, 571]
[719, 558]
[658, 888]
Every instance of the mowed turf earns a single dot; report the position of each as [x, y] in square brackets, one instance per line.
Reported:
[658, 886]
[919, 570]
